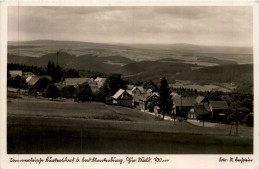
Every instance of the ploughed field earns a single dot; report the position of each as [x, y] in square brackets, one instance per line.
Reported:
[43, 126]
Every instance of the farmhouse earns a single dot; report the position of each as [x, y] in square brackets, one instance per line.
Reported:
[122, 98]
[201, 111]
[15, 73]
[95, 84]
[183, 105]
[219, 110]
[146, 99]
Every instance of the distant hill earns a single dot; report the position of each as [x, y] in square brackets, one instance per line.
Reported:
[142, 62]
[137, 52]
[153, 70]
[85, 62]
[227, 73]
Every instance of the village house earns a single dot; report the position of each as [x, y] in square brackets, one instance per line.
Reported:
[122, 98]
[95, 84]
[15, 73]
[32, 80]
[219, 110]
[183, 105]
[146, 99]
[201, 111]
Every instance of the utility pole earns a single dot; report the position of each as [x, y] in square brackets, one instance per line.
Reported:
[203, 113]
[236, 122]
[181, 109]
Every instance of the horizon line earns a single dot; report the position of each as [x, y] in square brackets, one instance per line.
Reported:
[122, 43]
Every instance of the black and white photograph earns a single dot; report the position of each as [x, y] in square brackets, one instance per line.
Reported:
[167, 80]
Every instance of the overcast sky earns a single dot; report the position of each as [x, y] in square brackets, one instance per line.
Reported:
[230, 26]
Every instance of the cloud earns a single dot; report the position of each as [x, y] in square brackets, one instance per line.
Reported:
[201, 25]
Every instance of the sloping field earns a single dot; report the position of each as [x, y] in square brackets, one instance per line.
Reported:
[94, 110]
[45, 127]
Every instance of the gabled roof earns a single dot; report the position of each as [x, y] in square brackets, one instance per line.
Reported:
[149, 90]
[140, 88]
[184, 101]
[147, 96]
[76, 81]
[218, 104]
[199, 99]
[15, 73]
[130, 92]
[28, 79]
[119, 93]
[33, 80]
[199, 109]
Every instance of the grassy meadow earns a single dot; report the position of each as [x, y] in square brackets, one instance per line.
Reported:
[59, 127]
